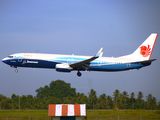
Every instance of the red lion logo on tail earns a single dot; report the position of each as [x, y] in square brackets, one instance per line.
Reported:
[145, 51]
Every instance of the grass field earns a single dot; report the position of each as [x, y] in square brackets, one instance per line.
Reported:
[91, 115]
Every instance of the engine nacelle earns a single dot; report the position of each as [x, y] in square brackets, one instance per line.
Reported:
[64, 67]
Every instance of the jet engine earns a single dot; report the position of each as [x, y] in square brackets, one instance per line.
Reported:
[63, 67]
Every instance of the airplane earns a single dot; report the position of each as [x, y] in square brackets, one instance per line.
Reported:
[67, 63]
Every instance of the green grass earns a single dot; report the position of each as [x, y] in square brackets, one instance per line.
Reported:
[34, 113]
[123, 112]
[91, 115]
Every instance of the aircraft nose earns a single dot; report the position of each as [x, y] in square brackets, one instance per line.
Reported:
[4, 60]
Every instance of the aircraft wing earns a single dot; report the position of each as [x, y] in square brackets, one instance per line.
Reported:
[85, 63]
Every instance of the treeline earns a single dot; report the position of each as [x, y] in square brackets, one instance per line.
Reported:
[60, 92]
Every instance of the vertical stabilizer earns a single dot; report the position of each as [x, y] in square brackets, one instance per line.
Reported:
[144, 51]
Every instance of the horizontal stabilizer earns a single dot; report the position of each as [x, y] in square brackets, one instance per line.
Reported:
[147, 61]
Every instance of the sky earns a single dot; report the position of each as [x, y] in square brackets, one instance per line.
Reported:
[80, 28]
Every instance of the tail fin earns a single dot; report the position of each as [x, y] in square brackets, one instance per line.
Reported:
[144, 51]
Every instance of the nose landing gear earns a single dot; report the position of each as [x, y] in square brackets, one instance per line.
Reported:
[16, 70]
[79, 74]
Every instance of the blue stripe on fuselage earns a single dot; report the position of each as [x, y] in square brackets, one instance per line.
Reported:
[117, 67]
[32, 63]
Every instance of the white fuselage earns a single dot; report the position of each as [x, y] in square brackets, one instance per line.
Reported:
[37, 60]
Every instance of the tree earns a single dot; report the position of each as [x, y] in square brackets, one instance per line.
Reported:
[103, 101]
[125, 95]
[92, 97]
[132, 97]
[30, 102]
[109, 102]
[57, 88]
[121, 99]
[116, 95]
[158, 106]
[149, 100]
[39, 91]
[15, 101]
[140, 95]
[153, 103]
[139, 100]
[2, 103]
[59, 92]
[6, 103]
[13, 97]
[81, 98]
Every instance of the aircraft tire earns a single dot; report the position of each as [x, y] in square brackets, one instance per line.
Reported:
[79, 74]
[16, 70]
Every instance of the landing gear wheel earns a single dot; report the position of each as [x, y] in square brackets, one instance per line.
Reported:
[79, 74]
[16, 70]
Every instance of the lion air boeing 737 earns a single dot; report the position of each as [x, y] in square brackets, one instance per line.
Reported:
[67, 63]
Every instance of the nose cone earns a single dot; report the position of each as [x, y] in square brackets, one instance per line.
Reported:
[4, 60]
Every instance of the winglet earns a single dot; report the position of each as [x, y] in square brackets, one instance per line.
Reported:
[99, 54]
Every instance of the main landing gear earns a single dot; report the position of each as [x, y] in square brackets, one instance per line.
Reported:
[79, 74]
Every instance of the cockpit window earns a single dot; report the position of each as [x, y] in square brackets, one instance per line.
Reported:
[10, 56]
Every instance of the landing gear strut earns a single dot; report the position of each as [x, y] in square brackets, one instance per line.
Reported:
[16, 70]
[79, 74]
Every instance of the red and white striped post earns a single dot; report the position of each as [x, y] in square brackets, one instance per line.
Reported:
[67, 111]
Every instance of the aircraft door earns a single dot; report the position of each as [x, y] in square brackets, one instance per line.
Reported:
[19, 60]
[128, 65]
[99, 63]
